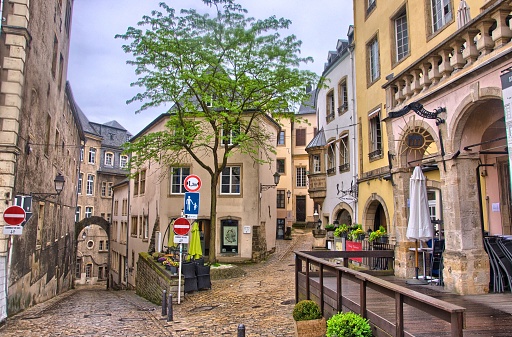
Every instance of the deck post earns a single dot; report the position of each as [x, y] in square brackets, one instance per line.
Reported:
[399, 309]
[339, 300]
[321, 276]
[298, 269]
[308, 291]
[457, 323]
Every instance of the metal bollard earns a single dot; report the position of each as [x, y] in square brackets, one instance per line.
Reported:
[241, 330]
[164, 302]
[169, 309]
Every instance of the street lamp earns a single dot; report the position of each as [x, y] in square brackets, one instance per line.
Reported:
[59, 186]
[289, 194]
[277, 176]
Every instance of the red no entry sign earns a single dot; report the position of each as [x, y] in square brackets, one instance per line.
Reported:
[14, 215]
[181, 226]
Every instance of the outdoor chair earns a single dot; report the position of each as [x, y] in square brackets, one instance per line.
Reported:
[203, 277]
[188, 270]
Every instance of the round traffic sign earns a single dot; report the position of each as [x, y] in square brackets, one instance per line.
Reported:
[192, 183]
[14, 215]
[181, 226]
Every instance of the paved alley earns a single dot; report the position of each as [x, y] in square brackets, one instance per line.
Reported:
[262, 300]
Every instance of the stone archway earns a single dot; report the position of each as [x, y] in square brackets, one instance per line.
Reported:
[375, 210]
[343, 213]
[105, 226]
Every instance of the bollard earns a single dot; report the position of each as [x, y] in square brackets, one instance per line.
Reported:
[164, 302]
[169, 309]
[241, 330]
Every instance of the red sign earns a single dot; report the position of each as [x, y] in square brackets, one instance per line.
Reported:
[14, 215]
[181, 226]
[192, 183]
[354, 246]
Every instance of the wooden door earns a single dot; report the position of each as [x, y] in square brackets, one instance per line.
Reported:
[300, 208]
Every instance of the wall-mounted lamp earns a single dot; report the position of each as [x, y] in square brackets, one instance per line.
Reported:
[59, 186]
[316, 215]
[84, 235]
[277, 176]
[289, 194]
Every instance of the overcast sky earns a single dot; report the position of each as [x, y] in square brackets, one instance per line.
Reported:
[100, 78]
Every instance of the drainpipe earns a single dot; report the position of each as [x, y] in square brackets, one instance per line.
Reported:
[479, 189]
[353, 158]
[128, 213]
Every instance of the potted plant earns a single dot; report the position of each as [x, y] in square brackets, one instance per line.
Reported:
[341, 231]
[171, 265]
[308, 319]
[329, 227]
[358, 233]
[380, 235]
[348, 324]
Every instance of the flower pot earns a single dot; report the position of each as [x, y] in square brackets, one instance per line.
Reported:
[382, 239]
[311, 328]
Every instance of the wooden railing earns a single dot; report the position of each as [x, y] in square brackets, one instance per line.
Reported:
[319, 268]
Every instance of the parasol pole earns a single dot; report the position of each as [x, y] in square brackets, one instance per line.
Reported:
[417, 258]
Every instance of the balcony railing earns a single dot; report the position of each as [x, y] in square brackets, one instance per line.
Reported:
[483, 39]
[331, 170]
[344, 167]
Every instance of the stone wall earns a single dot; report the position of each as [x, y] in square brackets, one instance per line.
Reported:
[152, 280]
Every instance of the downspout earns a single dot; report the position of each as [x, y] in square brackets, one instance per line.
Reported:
[128, 213]
[479, 189]
[110, 238]
[354, 146]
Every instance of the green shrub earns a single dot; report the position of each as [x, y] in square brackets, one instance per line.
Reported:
[306, 310]
[348, 324]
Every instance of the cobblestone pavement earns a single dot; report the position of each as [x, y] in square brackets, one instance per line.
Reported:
[262, 300]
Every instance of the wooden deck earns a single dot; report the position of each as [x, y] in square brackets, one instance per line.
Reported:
[406, 310]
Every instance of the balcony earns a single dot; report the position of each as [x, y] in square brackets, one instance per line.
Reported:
[481, 41]
[344, 167]
[317, 186]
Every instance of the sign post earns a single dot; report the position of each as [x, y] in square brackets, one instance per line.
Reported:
[181, 228]
[14, 216]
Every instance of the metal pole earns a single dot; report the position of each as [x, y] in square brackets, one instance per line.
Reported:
[241, 330]
[164, 302]
[179, 275]
[169, 309]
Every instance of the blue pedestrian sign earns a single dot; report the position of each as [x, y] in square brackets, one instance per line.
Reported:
[191, 207]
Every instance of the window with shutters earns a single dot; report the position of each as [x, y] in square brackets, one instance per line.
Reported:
[300, 137]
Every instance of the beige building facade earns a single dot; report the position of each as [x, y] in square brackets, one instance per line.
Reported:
[246, 212]
[40, 139]
[441, 102]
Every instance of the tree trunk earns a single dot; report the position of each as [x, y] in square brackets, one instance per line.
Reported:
[212, 254]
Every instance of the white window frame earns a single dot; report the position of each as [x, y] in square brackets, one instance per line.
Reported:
[123, 161]
[301, 176]
[90, 184]
[375, 131]
[80, 182]
[78, 213]
[109, 159]
[89, 211]
[92, 155]
[317, 166]
[231, 181]
[442, 13]
[82, 154]
[344, 150]
[401, 36]
[177, 178]
[374, 61]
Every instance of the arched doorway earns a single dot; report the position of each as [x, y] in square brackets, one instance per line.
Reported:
[92, 237]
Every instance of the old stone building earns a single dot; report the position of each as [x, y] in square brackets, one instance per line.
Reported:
[102, 165]
[40, 139]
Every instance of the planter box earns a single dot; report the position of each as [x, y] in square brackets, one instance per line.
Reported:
[311, 328]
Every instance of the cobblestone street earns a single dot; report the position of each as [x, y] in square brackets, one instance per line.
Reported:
[262, 300]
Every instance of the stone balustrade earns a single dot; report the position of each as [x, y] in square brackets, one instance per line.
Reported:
[485, 37]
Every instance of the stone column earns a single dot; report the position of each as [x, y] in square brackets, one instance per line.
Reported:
[466, 264]
[16, 40]
[404, 257]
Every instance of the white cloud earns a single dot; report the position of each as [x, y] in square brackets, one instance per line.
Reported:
[100, 77]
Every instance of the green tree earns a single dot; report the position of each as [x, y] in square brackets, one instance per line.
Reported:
[224, 73]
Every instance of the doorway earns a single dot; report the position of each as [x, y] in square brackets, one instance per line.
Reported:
[300, 208]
